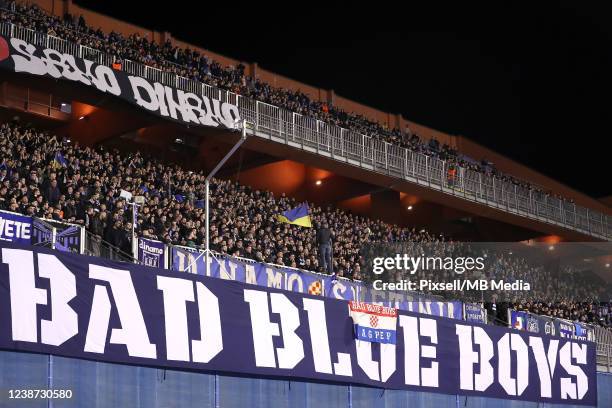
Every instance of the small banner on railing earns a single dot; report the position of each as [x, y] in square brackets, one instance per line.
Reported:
[152, 253]
[538, 324]
[42, 233]
[67, 237]
[165, 101]
[184, 259]
[126, 313]
[474, 313]
[15, 228]
[26, 230]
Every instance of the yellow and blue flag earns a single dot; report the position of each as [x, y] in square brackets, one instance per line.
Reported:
[59, 161]
[298, 216]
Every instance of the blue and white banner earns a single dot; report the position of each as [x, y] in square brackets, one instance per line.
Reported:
[15, 228]
[526, 321]
[84, 307]
[413, 302]
[565, 328]
[151, 253]
[475, 313]
[551, 326]
[185, 259]
[374, 323]
[68, 237]
[305, 282]
[42, 233]
[533, 324]
[583, 331]
[518, 320]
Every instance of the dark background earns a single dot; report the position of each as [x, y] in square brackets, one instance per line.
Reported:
[531, 83]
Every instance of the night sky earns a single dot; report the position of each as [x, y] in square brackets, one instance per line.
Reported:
[532, 83]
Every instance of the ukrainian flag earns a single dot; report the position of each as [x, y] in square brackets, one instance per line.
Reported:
[298, 216]
[59, 161]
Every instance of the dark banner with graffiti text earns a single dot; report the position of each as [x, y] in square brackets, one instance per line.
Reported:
[186, 107]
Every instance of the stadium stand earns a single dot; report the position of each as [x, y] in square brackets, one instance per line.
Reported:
[44, 176]
[56, 179]
[190, 64]
[243, 220]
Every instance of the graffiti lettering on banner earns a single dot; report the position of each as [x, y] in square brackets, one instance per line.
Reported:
[162, 100]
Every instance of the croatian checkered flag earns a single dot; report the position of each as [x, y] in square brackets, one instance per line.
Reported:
[373, 323]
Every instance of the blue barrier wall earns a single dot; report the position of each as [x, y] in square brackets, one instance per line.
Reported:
[97, 385]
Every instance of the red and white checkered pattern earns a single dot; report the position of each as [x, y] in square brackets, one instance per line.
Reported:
[315, 288]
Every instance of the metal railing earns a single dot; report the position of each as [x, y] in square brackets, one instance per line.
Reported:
[604, 349]
[312, 135]
[96, 246]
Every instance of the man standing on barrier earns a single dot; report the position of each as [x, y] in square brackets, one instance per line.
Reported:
[324, 240]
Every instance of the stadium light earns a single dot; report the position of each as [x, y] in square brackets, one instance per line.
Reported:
[207, 195]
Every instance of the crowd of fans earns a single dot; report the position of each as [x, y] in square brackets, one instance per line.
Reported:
[44, 176]
[192, 64]
[562, 292]
[557, 289]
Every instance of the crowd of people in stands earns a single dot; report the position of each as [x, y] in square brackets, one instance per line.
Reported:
[48, 177]
[190, 63]
[557, 289]
[84, 186]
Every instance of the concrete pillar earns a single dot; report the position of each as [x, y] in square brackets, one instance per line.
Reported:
[165, 36]
[68, 7]
[3, 93]
[252, 70]
[397, 121]
[331, 97]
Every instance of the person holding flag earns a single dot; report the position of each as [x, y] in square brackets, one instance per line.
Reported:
[300, 216]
